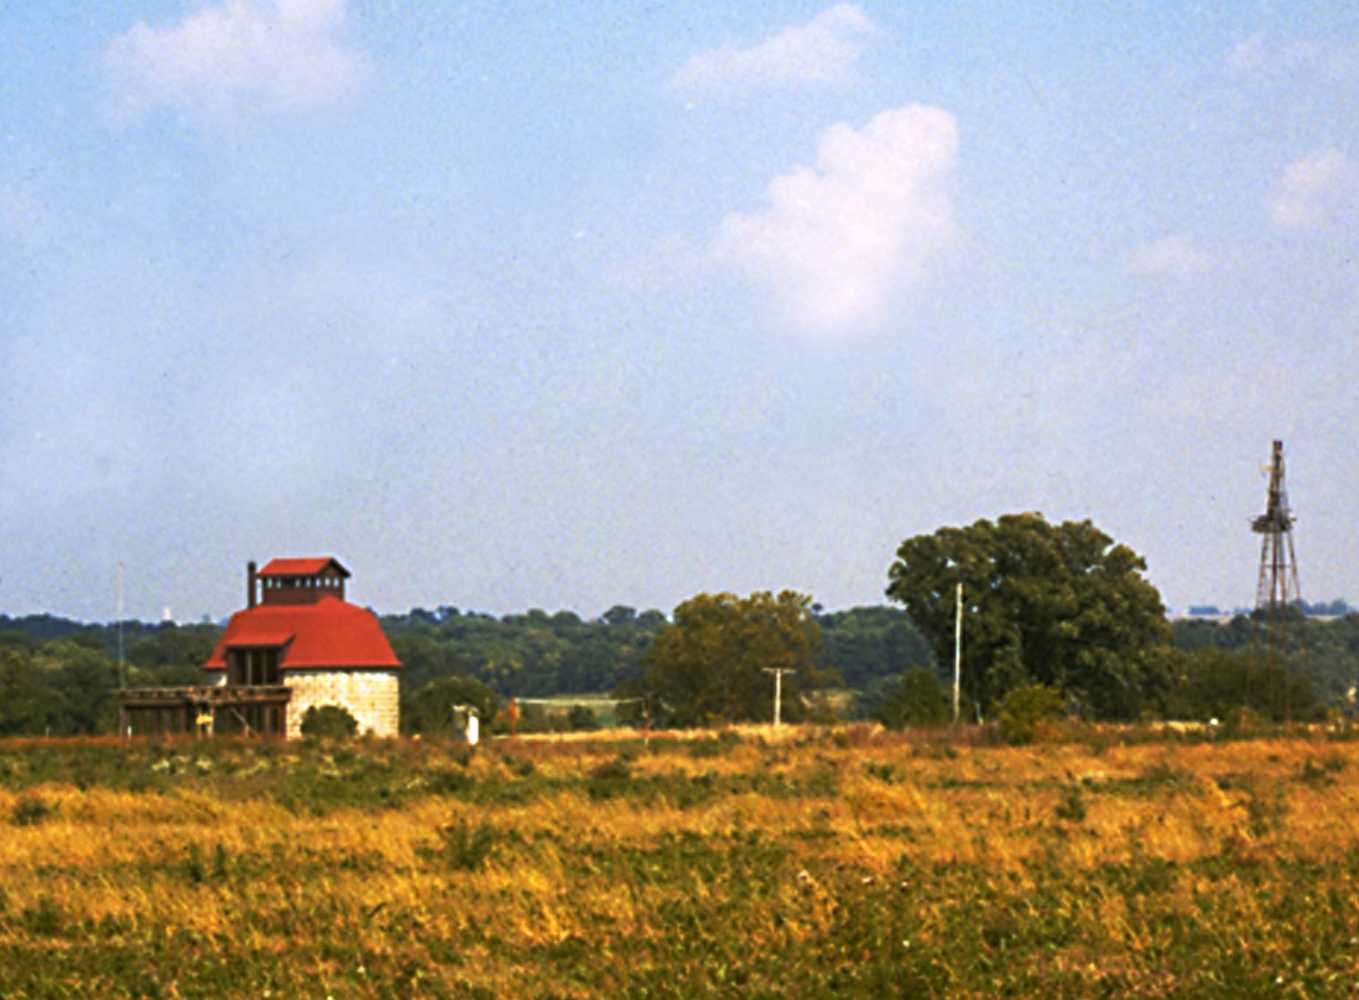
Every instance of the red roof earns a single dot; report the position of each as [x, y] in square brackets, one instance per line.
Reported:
[301, 567]
[328, 634]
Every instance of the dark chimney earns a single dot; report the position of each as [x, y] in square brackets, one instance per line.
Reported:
[250, 585]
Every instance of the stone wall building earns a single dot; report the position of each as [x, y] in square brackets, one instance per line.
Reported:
[298, 633]
[296, 644]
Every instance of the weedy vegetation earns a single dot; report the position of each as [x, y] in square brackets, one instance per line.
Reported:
[833, 862]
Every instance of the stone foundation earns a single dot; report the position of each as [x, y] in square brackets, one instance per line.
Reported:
[373, 697]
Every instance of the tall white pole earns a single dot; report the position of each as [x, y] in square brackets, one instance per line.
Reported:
[957, 651]
[778, 673]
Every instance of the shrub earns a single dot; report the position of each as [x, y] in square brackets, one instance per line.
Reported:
[31, 810]
[1028, 712]
[582, 717]
[1072, 805]
[1320, 773]
[610, 778]
[618, 769]
[917, 700]
[464, 847]
[329, 722]
[44, 918]
[885, 773]
[194, 869]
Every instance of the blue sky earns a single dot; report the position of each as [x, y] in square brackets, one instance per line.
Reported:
[519, 305]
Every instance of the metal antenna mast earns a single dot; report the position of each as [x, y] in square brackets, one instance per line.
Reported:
[1278, 587]
[1278, 596]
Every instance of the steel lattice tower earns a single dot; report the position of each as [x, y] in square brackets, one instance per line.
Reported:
[1278, 587]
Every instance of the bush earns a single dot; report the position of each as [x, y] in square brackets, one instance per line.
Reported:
[618, 769]
[610, 779]
[1028, 712]
[30, 810]
[1072, 805]
[43, 919]
[582, 717]
[917, 700]
[429, 710]
[329, 722]
[464, 847]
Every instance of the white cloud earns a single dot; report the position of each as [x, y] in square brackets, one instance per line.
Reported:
[1257, 55]
[838, 239]
[239, 56]
[1169, 255]
[821, 52]
[1310, 190]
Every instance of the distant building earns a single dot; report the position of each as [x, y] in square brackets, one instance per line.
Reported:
[297, 644]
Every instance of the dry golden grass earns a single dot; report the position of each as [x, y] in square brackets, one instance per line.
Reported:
[570, 864]
[1000, 795]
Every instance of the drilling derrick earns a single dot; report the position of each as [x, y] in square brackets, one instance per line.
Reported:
[1278, 587]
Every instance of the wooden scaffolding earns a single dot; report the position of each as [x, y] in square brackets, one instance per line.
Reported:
[251, 710]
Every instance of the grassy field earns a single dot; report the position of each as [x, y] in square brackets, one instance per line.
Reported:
[835, 862]
[604, 707]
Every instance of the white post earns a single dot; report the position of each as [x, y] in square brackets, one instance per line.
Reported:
[466, 719]
[957, 651]
[778, 673]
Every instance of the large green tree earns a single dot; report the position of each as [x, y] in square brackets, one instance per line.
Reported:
[1056, 604]
[708, 666]
[429, 709]
[1213, 683]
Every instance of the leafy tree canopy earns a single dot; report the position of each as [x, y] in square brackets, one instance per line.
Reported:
[873, 645]
[429, 709]
[709, 665]
[1061, 605]
[918, 699]
[1214, 683]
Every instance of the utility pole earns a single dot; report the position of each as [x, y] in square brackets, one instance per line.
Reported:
[957, 651]
[778, 673]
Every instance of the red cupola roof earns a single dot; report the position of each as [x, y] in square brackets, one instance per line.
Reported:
[328, 634]
[305, 617]
[309, 566]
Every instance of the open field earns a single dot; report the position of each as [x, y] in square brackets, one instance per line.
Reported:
[835, 862]
[604, 707]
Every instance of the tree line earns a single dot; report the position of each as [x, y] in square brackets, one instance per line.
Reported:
[61, 676]
[1062, 608]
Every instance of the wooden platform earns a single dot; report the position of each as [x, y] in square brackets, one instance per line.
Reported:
[249, 709]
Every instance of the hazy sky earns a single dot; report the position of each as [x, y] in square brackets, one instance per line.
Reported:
[561, 305]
